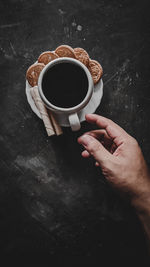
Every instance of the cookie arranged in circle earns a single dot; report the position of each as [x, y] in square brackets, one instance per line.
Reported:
[47, 57]
[82, 55]
[96, 70]
[33, 73]
[65, 51]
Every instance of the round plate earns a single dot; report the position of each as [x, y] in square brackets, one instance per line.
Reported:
[89, 108]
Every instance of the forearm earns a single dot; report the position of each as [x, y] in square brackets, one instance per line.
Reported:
[122, 163]
[142, 207]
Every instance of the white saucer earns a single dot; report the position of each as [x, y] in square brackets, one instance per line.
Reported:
[90, 108]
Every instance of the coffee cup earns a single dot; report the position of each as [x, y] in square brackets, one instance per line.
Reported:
[66, 86]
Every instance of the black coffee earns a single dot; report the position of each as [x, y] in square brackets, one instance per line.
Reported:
[65, 85]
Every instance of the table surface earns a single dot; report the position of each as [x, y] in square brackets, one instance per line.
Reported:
[55, 205]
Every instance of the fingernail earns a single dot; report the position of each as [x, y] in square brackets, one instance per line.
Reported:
[85, 139]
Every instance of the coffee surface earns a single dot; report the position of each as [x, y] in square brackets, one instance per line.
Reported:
[65, 85]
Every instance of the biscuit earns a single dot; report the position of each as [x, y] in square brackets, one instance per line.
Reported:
[46, 57]
[96, 70]
[65, 51]
[81, 55]
[33, 73]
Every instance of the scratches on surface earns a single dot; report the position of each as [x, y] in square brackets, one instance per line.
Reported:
[13, 49]
[61, 12]
[22, 113]
[124, 66]
[4, 26]
[120, 71]
[116, 34]
[74, 24]
[138, 52]
[38, 166]
[4, 163]
[113, 76]
[79, 28]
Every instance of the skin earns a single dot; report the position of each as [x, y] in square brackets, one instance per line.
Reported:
[122, 163]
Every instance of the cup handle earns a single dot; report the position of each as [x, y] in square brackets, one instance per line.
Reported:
[74, 122]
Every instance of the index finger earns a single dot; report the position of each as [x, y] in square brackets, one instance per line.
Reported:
[113, 130]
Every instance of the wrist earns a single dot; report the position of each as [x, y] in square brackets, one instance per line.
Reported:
[141, 200]
[141, 203]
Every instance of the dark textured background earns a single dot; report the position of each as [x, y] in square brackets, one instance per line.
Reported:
[54, 205]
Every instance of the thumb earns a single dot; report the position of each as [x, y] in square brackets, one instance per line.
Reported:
[95, 148]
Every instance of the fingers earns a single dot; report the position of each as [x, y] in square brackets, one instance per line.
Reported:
[85, 154]
[95, 148]
[112, 129]
[103, 137]
[99, 134]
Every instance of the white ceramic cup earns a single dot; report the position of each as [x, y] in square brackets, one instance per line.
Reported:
[71, 114]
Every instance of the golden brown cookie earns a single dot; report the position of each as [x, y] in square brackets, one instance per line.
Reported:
[65, 51]
[47, 56]
[96, 70]
[81, 55]
[33, 73]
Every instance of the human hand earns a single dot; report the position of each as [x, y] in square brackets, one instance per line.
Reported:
[122, 163]
[119, 156]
